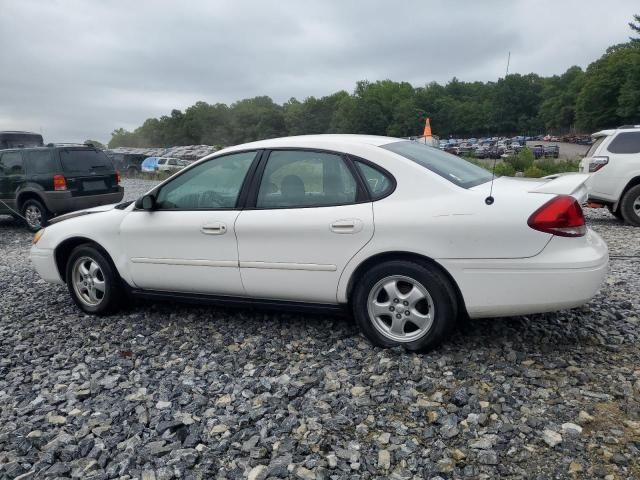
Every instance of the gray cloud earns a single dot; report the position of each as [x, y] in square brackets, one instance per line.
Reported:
[78, 69]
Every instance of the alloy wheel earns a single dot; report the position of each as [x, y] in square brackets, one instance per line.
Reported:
[401, 308]
[88, 281]
[33, 215]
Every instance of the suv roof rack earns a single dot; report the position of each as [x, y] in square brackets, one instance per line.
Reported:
[70, 144]
[628, 126]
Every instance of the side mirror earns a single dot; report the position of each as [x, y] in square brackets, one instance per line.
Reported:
[146, 202]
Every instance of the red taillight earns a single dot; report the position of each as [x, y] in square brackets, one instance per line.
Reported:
[560, 216]
[59, 182]
[596, 163]
[118, 178]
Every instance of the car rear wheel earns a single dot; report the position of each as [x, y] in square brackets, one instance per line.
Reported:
[35, 214]
[92, 281]
[630, 206]
[401, 303]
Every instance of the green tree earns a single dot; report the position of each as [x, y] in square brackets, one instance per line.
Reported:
[635, 27]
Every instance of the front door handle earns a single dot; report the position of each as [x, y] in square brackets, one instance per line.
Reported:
[352, 225]
[214, 229]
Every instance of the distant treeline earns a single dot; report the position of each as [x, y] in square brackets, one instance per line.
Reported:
[606, 94]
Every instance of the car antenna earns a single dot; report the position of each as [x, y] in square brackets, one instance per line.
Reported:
[490, 200]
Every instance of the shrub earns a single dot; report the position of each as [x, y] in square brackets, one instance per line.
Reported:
[523, 160]
[534, 172]
[504, 169]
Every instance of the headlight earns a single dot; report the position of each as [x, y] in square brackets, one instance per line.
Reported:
[38, 236]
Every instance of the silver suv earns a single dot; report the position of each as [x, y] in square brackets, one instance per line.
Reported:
[614, 163]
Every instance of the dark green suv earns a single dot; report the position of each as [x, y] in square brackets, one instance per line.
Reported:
[39, 183]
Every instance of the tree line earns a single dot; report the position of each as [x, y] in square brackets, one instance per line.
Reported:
[605, 94]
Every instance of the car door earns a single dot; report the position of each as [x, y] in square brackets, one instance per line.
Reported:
[188, 243]
[12, 176]
[308, 216]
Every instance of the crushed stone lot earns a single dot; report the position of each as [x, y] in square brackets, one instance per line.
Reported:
[166, 390]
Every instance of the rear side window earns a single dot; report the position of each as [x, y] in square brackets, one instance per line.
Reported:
[85, 161]
[628, 142]
[42, 161]
[11, 163]
[378, 183]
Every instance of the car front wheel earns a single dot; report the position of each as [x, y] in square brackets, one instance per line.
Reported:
[401, 303]
[630, 206]
[35, 214]
[92, 281]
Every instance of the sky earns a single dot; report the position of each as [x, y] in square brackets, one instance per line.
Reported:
[79, 69]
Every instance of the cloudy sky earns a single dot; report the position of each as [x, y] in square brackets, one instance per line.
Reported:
[79, 69]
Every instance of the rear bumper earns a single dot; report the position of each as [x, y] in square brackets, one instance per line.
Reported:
[44, 262]
[63, 202]
[564, 275]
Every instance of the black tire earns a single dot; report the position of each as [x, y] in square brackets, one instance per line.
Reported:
[630, 206]
[35, 214]
[616, 213]
[437, 285]
[108, 300]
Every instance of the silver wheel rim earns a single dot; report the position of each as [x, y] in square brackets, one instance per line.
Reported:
[33, 215]
[88, 281]
[401, 308]
[636, 206]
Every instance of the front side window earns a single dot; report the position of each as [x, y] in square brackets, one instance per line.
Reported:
[84, 161]
[11, 163]
[42, 162]
[627, 142]
[214, 184]
[296, 179]
[452, 168]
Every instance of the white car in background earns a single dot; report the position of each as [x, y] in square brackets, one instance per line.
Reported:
[614, 163]
[170, 164]
[404, 235]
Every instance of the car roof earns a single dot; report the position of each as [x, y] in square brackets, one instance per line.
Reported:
[326, 141]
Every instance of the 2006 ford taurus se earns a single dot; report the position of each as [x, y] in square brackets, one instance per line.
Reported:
[405, 235]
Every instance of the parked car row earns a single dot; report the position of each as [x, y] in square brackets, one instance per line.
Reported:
[495, 147]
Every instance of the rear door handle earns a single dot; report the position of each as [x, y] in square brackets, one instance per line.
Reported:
[214, 229]
[352, 225]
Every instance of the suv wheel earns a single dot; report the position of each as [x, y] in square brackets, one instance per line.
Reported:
[35, 214]
[630, 206]
[92, 281]
[401, 303]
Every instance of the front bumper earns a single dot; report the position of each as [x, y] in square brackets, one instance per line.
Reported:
[564, 275]
[63, 202]
[44, 262]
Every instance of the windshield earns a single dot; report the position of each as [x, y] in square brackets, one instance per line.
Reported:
[455, 169]
[595, 146]
[85, 161]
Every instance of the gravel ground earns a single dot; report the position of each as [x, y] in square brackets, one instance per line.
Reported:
[175, 391]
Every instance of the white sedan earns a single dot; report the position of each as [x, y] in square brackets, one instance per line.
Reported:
[406, 236]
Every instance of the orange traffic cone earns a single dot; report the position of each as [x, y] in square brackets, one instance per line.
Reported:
[427, 128]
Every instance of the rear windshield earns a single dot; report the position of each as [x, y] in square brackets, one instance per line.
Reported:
[455, 169]
[85, 161]
[595, 146]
